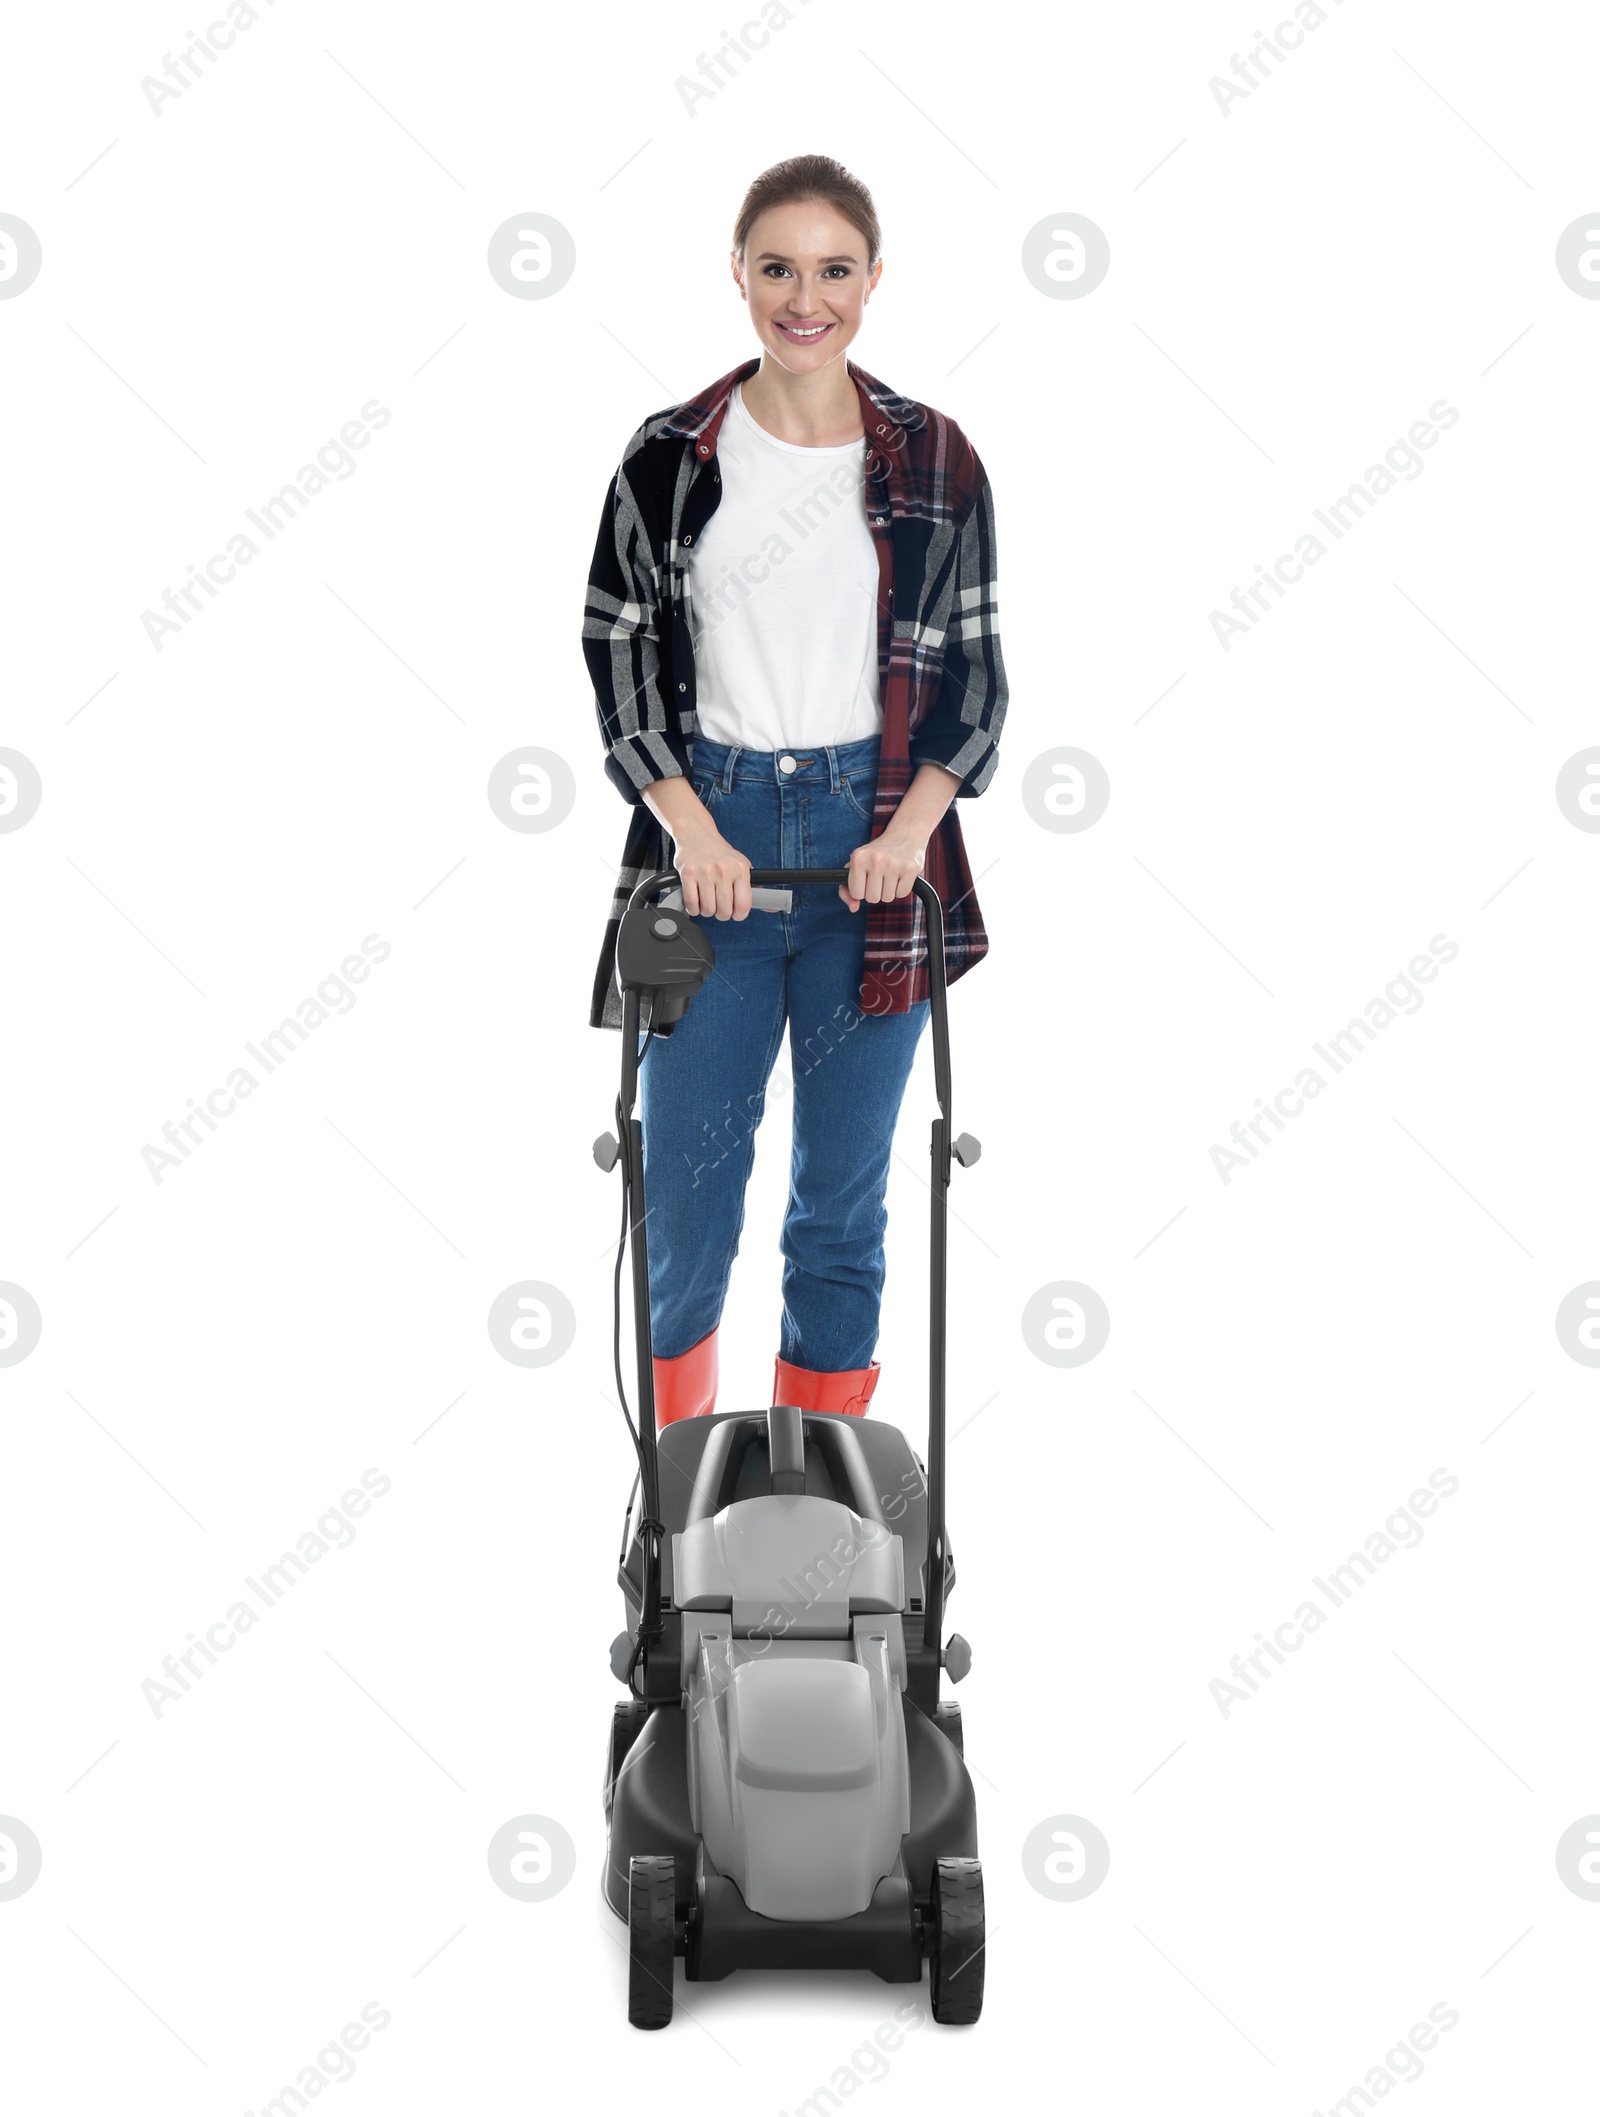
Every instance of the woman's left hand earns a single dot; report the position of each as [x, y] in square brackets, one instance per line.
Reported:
[884, 868]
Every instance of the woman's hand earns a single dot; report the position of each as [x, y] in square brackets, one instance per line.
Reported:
[715, 875]
[885, 867]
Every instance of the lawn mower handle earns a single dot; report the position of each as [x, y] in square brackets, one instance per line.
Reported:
[943, 1149]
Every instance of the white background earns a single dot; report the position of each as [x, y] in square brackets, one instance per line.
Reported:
[1292, 285]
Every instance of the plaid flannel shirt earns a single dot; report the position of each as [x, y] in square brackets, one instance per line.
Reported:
[941, 679]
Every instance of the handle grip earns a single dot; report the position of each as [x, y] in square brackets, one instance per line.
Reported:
[760, 899]
[770, 887]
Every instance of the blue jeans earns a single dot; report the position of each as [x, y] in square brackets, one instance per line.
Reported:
[703, 1088]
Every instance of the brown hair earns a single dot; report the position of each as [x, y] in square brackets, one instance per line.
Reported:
[810, 176]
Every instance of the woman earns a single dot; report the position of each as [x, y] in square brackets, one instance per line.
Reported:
[792, 635]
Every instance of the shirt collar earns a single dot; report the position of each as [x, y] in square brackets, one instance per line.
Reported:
[885, 414]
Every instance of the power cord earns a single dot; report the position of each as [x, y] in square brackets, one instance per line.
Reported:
[644, 1634]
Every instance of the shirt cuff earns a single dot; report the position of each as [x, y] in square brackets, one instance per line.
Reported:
[967, 752]
[635, 760]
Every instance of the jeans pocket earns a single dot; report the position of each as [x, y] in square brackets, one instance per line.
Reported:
[858, 792]
[706, 787]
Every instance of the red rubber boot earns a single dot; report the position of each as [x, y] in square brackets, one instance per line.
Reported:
[686, 1386]
[850, 1390]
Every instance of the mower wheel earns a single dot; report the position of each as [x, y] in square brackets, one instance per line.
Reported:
[627, 1724]
[956, 1973]
[652, 1891]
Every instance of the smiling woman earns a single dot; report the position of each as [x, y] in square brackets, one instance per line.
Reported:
[847, 688]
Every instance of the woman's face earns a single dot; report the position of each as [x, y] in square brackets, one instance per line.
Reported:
[805, 278]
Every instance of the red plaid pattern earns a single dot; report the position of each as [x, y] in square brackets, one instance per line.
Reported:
[941, 678]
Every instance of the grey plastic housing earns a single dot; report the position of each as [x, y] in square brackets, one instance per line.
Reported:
[887, 1624]
[794, 1662]
[789, 1563]
[799, 1783]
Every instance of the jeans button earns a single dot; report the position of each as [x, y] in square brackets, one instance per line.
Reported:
[786, 763]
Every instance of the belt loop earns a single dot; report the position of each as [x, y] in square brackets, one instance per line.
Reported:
[833, 769]
[727, 770]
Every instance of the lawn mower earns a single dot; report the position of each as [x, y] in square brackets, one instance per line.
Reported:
[784, 1787]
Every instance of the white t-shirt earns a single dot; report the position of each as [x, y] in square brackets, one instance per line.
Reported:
[783, 595]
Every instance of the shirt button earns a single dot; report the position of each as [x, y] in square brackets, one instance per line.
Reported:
[690, 538]
[683, 687]
[786, 764]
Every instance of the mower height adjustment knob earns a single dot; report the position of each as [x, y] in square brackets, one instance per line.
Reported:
[956, 1658]
[606, 1152]
[965, 1149]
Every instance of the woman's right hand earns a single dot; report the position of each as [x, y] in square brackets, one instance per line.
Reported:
[715, 875]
